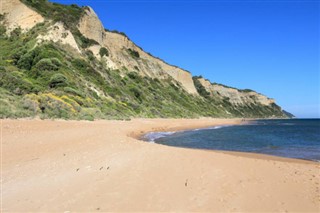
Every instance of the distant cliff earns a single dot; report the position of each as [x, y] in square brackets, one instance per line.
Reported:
[245, 102]
[62, 56]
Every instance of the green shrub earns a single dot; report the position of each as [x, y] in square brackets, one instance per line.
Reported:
[73, 91]
[14, 34]
[56, 62]
[136, 92]
[26, 61]
[103, 52]
[134, 53]
[90, 55]
[245, 90]
[3, 30]
[133, 75]
[87, 117]
[17, 55]
[90, 114]
[201, 90]
[80, 63]
[117, 32]
[46, 64]
[16, 83]
[2, 17]
[31, 103]
[81, 40]
[46, 51]
[55, 107]
[58, 80]
[72, 102]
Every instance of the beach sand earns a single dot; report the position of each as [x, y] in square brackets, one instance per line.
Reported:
[101, 166]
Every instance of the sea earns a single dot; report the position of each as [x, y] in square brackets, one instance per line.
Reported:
[291, 138]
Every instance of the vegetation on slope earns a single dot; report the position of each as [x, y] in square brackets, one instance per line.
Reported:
[48, 81]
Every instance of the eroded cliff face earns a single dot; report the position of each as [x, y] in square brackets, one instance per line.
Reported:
[19, 15]
[119, 47]
[90, 26]
[235, 96]
[58, 33]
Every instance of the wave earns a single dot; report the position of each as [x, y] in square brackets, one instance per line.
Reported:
[213, 127]
[287, 124]
[152, 136]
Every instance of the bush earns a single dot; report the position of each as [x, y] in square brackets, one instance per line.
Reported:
[26, 61]
[117, 32]
[201, 90]
[246, 90]
[2, 17]
[16, 83]
[55, 107]
[104, 52]
[136, 92]
[2, 30]
[80, 63]
[31, 103]
[18, 54]
[15, 33]
[90, 55]
[58, 80]
[73, 91]
[133, 53]
[73, 103]
[87, 117]
[81, 40]
[46, 51]
[89, 114]
[133, 75]
[56, 62]
[46, 64]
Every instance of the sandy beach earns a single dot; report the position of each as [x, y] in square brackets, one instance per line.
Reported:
[101, 166]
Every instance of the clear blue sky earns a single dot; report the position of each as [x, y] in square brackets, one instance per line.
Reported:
[268, 46]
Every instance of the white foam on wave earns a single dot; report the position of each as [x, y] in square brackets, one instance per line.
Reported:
[213, 127]
[152, 136]
[286, 124]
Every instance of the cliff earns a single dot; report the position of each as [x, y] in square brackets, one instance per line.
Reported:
[19, 15]
[236, 96]
[119, 47]
[59, 61]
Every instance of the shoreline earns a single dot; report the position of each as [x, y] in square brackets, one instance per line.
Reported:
[139, 136]
[100, 166]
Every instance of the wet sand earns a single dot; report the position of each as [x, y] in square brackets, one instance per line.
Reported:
[102, 166]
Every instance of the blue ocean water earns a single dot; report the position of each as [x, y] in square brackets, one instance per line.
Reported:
[294, 138]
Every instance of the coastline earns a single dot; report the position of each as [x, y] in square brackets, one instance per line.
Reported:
[101, 166]
[140, 136]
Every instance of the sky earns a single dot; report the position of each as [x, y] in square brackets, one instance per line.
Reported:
[269, 46]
